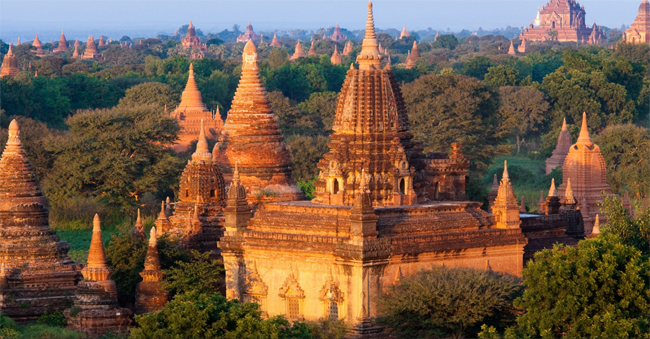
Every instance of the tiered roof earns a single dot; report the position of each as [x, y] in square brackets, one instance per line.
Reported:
[63, 44]
[639, 31]
[9, 64]
[299, 53]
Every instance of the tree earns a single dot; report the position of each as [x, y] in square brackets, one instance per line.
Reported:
[200, 274]
[322, 105]
[477, 67]
[150, 93]
[499, 76]
[210, 315]
[446, 302]
[115, 155]
[633, 231]
[598, 290]
[448, 41]
[456, 108]
[625, 149]
[292, 120]
[523, 111]
[306, 151]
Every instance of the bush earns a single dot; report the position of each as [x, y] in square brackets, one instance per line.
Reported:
[327, 329]
[444, 302]
[200, 274]
[55, 319]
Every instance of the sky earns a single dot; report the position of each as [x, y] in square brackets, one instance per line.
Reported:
[147, 18]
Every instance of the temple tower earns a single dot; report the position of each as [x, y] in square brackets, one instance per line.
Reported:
[506, 208]
[190, 40]
[370, 134]
[639, 31]
[149, 295]
[511, 50]
[91, 49]
[312, 49]
[348, 48]
[335, 59]
[39, 47]
[249, 34]
[337, 35]
[563, 21]
[191, 113]
[561, 150]
[404, 33]
[522, 47]
[96, 299]
[9, 64]
[252, 138]
[63, 44]
[138, 229]
[299, 53]
[275, 42]
[39, 275]
[586, 168]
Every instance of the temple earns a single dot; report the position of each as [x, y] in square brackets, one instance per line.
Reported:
[337, 35]
[63, 44]
[639, 31]
[249, 34]
[91, 51]
[299, 53]
[563, 21]
[312, 49]
[335, 59]
[383, 209]
[191, 41]
[275, 42]
[252, 139]
[149, 295]
[348, 48]
[39, 47]
[585, 166]
[511, 50]
[102, 43]
[561, 150]
[36, 274]
[522, 47]
[413, 56]
[95, 310]
[404, 33]
[191, 113]
[9, 64]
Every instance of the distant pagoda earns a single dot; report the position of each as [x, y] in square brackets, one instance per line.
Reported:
[337, 35]
[249, 34]
[63, 44]
[91, 49]
[9, 64]
[190, 40]
[563, 21]
[404, 33]
[275, 42]
[639, 31]
[561, 150]
[335, 59]
[39, 47]
[299, 53]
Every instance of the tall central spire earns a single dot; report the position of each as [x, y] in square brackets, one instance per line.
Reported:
[369, 57]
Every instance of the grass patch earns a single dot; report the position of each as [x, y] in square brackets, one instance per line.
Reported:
[9, 329]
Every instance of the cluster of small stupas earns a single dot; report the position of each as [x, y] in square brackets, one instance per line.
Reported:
[192, 114]
[9, 64]
[639, 31]
[383, 208]
[563, 21]
[249, 34]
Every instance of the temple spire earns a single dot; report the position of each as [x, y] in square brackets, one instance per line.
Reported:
[552, 192]
[96, 255]
[138, 230]
[191, 98]
[583, 137]
[369, 58]
[202, 152]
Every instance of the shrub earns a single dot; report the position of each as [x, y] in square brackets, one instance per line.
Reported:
[54, 319]
[200, 274]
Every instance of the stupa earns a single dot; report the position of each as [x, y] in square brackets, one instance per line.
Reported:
[505, 208]
[138, 229]
[639, 31]
[249, 34]
[75, 54]
[149, 295]
[102, 43]
[299, 53]
[202, 196]
[38, 275]
[585, 166]
[337, 35]
[335, 59]
[190, 40]
[563, 21]
[91, 49]
[39, 47]
[561, 150]
[404, 33]
[382, 209]
[348, 48]
[511, 50]
[95, 311]
[275, 42]
[312, 50]
[63, 44]
[191, 113]
[9, 64]
[414, 51]
[251, 137]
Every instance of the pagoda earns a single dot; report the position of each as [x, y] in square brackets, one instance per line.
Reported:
[511, 50]
[95, 311]
[191, 113]
[561, 150]
[149, 295]
[639, 31]
[190, 40]
[201, 198]
[522, 47]
[505, 208]
[102, 43]
[335, 59]
[251, 138]
[299, 53]
[75, 54]
[249, 34]
[91, 49]
[63, 44]
[348, 48]
[585, 166]
[275, 42]
[404, 33]
[382, 209]
[37, 274]
[563, 21]
[39, 47]
[9, 64]
[312, 49]
[337, 35]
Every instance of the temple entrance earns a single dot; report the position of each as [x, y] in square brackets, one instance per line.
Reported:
[335, 186]
[402, 186]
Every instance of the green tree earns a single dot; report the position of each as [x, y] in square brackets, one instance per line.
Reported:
[477, 67]
[501, 75]
[447, 302]
[150, 93]
[448, 41]
[626, 149]
[598, 290]
[292, 120]
[523, 112]
[633, 231]
[306, 152]
[200, 274]
[115, 155]
[322, 105]
[210, 315]
[456, 108]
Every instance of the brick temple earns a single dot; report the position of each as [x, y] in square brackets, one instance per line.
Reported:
[563, 21]
[639, 31]
[9, 64]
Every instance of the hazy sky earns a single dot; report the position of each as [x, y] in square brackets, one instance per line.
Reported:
[137, 18]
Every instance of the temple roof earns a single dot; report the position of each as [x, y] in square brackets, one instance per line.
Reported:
[335, 59]
[404, 33]
[96, 255]
[191, 99]
[37, 42]
[583, 137]
[298, 52]
[202, 152]
[369, 58]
